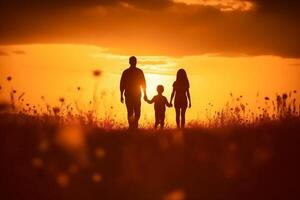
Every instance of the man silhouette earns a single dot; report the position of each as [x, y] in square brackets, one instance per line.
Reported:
[132, 81]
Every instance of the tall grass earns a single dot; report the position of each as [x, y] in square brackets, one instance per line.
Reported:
[236, 112]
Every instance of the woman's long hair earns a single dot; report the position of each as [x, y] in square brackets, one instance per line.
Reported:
[182, 79]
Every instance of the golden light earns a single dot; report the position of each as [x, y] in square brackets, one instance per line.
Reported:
[153, 80]
[223, 5]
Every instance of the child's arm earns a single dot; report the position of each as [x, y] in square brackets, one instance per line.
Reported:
[150, 101]
[167, 103]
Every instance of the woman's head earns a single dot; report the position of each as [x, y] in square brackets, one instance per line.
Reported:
[181, 78]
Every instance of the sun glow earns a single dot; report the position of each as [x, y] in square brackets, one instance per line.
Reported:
[153, 80]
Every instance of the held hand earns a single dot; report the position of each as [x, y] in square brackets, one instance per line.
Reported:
[190, 105]
[145, 98]
[122, 99]
[171, 105]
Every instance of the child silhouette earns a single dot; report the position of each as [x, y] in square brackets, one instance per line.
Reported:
[160, 103]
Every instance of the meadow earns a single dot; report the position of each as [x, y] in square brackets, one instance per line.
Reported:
[61, 153]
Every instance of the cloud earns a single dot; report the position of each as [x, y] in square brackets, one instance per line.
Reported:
[152, 62]
[222, 5]
[3, 53]
[19, 52]
[159, 27]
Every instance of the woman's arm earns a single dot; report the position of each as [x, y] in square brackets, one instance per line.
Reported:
[172, 96]
[189, 97]
[167, 103]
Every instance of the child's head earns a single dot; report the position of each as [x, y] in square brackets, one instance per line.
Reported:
[160, 89]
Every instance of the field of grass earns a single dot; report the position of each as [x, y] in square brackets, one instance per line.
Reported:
[43, 157]
[62, 152]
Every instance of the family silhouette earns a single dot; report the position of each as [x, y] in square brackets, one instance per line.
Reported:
[133, 80]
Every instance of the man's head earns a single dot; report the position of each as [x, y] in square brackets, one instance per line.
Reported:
[160, 89]
[132, 61]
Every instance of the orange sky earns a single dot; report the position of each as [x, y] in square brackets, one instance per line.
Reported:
[52, 47]
[56, 71]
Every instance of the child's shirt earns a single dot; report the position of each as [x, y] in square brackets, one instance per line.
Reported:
[160, 103]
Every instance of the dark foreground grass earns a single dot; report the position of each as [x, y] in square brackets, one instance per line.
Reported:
[41, 159]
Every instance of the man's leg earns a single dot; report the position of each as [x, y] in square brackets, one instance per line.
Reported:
[130, 117]
[137, 112]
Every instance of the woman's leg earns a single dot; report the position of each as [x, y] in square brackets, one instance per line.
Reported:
[177, 117]
[183, 117]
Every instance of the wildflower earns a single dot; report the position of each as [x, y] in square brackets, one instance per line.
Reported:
[295, 91]
[237, 110]
[243, 107]
[278, 99]
[267, 98]
[37, 162]
[177, 194]
[284, 96]
[9, 78]
[97, 73]
[78, 88]
[63, 180]
[96, 178]
[14, 91]
[56, 110]
[100, 153]
[20, 97]
[61, 99]
[73, 169]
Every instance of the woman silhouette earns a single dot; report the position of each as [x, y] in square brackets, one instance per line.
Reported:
[181, 92]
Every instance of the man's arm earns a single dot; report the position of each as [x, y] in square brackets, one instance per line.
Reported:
[143, 85]
[122, 87]
[150, 101]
